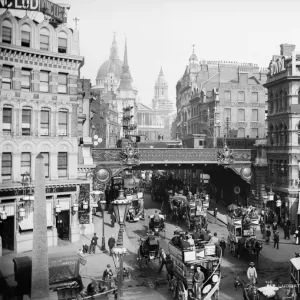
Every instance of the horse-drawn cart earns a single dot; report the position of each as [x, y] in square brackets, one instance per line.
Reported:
[178, 205]
[148, 250]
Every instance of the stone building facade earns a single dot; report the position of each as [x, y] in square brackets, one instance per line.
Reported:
[41, 112]
[283, 155]
[221, 98]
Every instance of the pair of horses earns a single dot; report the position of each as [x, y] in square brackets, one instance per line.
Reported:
[250, 247]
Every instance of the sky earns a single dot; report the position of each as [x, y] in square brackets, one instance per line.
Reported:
[162, 32]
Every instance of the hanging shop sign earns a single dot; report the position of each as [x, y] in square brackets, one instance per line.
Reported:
[277, 66]
[44, 6]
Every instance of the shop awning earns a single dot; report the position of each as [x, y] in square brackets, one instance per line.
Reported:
[27, 222]
[9, 209]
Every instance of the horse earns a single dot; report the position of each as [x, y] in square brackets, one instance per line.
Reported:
[250, 246]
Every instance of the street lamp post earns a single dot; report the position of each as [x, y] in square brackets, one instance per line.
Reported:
[265, 216]
[121, 205]
[103, 205]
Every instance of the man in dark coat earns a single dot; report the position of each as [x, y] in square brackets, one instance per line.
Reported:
[111, 243]
[94, 243]
[276, 239]
[107, 274]
[112, 219]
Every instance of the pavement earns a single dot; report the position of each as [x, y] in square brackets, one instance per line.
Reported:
[95, 263]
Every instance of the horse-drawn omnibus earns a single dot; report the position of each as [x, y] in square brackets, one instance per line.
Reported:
[185, 263]
[242, 236]
[196, 215]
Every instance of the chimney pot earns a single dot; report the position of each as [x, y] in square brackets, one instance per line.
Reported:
[287, 49]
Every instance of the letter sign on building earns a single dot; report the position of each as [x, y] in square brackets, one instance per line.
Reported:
[277, 66]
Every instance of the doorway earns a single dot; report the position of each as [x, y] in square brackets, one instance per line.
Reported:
[63, 225]
[7, 234]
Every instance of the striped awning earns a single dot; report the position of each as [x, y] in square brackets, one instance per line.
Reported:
[27, 222]
[9, 209]
[64, 203]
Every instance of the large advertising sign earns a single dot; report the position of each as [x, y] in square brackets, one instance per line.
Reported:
[44, 6]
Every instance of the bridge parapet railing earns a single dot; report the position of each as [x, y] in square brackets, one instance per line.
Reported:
[170, 154]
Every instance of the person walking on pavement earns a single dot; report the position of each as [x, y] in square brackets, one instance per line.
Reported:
[112, 219]
[214, 239]
[286, 231]
[223, 245]
[276, 239]
[198, 281]
[111, 243]
[274, 227]
[268, 235]
[215, 214]
[252, 274]
[94, 243]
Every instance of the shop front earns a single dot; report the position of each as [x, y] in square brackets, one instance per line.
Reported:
[66, 216]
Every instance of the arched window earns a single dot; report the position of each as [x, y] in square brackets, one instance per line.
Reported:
[25, 35]
[6, 32]
[62, 42]
[280, 101]
[282, 136]
[44, 39]
[276, 106]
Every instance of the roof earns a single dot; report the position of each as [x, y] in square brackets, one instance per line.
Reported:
[296, 262]
[114, 65]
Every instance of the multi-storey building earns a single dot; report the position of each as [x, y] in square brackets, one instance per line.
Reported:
[283, 154]
[39, 111]
[218, 98]
[157, 120]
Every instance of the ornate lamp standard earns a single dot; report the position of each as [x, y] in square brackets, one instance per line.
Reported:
[121, 206]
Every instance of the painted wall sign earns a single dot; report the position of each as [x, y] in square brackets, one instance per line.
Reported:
[44, 6]
[277, 66]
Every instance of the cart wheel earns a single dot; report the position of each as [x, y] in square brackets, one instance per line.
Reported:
[181, 291]
[174, 289]
[140, 258]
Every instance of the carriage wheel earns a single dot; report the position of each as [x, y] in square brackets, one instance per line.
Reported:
[181, 291]
[140, 258]
[216, 295]
[174, 289]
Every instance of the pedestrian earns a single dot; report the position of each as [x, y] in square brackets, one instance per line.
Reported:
[274, 227]
[112, 219]
[107, 274]
[215, 214]
[276, 239]
[268, 234]
[214, 239]
[223, 245]
[111, 243]
[286, 231]
[94, 243]
[252, 274]
[163, 258]
[262, 226]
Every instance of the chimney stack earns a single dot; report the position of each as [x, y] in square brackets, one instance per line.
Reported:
[287, 49]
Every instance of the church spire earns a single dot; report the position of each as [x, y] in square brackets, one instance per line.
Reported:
[125, 83]
[125, 62]
[114, 49]
[161, 73]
